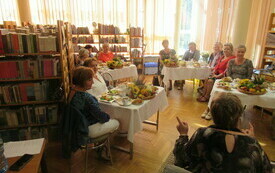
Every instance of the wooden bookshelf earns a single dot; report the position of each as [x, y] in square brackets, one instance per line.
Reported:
[138, 60]
[30, 103]
[13, 102]
[34, 54]
[29, 80]
[265, 59]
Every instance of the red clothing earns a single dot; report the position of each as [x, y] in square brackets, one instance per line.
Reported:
[222, 65]
[104, 57]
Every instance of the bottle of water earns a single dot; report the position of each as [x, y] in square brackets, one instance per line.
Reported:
[3, 161]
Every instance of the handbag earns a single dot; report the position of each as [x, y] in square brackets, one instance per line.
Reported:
[156, 81]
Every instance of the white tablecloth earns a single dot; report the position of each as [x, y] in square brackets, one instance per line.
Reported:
[267, 100]
[125, 72]
[183, 73]
[131, 117]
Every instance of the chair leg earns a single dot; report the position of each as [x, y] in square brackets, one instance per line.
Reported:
[109, 150]
[86, 159]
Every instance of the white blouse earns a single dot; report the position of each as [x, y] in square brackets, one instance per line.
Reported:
[99, 86]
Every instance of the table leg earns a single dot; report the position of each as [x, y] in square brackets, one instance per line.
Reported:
[152, 122]
[128, 151]
[43, 164]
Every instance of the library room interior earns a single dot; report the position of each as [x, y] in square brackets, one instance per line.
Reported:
[140, 86]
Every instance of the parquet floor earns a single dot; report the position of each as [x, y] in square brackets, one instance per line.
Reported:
[152, 147]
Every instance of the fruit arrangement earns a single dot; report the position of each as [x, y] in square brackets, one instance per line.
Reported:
[115, 63]
[255, 87]
[182, 63]
[143, 92]
[106, 98]
[171, 62]
[196, 65]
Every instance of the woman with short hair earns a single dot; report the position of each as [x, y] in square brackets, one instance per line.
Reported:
[221, 147]
[99, 121]
[105, 55]
[240, 67]
[99, 86]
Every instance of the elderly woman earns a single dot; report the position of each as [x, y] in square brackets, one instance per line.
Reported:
[164, 54]
[221, 147]
[218, 72]
[105, 55]
[217, 53]
[82, 55]
[192, 53]
[240, 67]
[99, 122]
[99, 86]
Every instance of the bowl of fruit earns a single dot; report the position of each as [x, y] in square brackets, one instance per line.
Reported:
[253, 87]
[144, 92]
[171, 62]
[116, 63]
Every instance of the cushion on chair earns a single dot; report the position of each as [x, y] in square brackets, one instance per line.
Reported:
[151, 64]
[100, 129]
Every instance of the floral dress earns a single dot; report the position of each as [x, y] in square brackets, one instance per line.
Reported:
[206, 152]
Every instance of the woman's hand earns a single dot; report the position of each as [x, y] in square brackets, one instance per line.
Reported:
[249, 131]
[182, 127]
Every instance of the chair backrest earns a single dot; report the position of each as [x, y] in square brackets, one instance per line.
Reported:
[108, 78]
[74, 130]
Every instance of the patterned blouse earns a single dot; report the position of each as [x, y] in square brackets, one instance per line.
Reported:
[206, 152]
[243, 71]
[91, 108]
[168, 55]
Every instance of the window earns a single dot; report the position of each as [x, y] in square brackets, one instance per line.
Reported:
[185, 26]
[9, 11]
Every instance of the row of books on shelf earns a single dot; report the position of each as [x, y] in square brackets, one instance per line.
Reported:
[77, 48]
[50, 133]
[136, 42]
[135, 31]
[117, 48]
[22, 92]
[80, 30]
[108, 29]
[135, 53]
[83, 39]
[11, 42]
[29, 68]
[28, 115]
[118, 39]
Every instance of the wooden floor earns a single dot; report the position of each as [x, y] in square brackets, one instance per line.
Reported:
[152, 147]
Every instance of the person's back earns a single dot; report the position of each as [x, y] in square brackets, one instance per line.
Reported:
[215, 150]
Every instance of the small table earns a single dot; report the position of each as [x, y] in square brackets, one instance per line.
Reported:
[184, 73]
[266, 100]
[125, 72]
[131, 117]
[33, 165]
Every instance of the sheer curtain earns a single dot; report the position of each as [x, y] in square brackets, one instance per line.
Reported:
[9, 11]
[209, 20]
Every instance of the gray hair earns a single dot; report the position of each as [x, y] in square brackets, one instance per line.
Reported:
[192, 43]
[219, 44]
[241, 46]
[230, 45]
[82, 52]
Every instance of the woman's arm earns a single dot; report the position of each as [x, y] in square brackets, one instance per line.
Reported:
[94, 110]
[229, 68]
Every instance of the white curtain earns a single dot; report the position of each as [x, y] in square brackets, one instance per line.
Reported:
[9, 11]
[161, 19]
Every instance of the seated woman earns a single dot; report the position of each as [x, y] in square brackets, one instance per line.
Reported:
[99, 122]
[221, 147]
[164, 54]
[240, 67]
[218, 72]
[217, 53]
[99, 86]
[82, 55]
[90, 49]
[105, 55]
